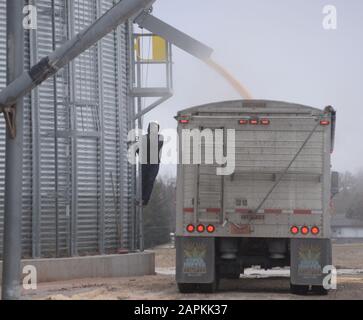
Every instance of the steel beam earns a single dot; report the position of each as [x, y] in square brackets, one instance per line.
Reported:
[36, 205]
[101, 143]
[73, 245]
[140, 220]
[132, 126]
[14, 158]
[56, 171]
[122, 180]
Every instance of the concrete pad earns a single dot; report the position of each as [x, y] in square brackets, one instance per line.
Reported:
[106, 266]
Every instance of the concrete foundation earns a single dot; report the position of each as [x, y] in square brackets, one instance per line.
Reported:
[107, 266]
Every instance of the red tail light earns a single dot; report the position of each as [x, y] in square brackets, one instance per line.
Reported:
[324, 122]
[265, 122]
[184, 121]
[243, 121]
[254, 122]
[190, 228]
[211, 229]
[294, 230]
[200, 228]
[304, 230]
[315, 230]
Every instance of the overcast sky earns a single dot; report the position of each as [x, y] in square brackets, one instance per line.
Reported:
[280, 51]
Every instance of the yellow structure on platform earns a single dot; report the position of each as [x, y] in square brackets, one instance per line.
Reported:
[159, 49]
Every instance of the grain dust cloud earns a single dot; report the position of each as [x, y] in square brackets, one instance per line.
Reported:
[241, 89]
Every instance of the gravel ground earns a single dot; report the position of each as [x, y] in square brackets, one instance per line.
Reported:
[162, 286]
[348, 256]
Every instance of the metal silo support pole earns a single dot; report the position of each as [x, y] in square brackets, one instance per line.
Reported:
[140, 218]
[14, 157]
[140, 202]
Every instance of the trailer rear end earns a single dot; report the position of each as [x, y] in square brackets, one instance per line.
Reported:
[268, 205]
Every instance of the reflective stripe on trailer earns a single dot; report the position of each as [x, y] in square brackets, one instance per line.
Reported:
[266, 211]
[307, 211]
[302, 211]
[273, 211]
[210, 210]
[280, 211]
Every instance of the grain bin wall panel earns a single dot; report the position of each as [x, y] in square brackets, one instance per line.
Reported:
[75, 139]
[87, 111]
[108, 80]
[125, 169]
[87, 215]
[27, 164]
[44, 46]
[63, 142]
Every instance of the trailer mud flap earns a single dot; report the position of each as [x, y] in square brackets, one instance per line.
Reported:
[309, 257]
[195, 260]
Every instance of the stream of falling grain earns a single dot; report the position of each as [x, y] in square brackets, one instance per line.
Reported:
[230, 78]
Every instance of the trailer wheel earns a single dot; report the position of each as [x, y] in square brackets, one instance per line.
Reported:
[231, 276]
[198, 287]
[208, 287]
[187, 287]
[299, 289]
[319, 290]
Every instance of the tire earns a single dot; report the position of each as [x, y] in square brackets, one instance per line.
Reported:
[299, 289]
[208, 287]
[232, 276]
[319, 290]
[187, 287]
[198, 287]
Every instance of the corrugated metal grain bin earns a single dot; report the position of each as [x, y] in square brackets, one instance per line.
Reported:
[76, 178]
